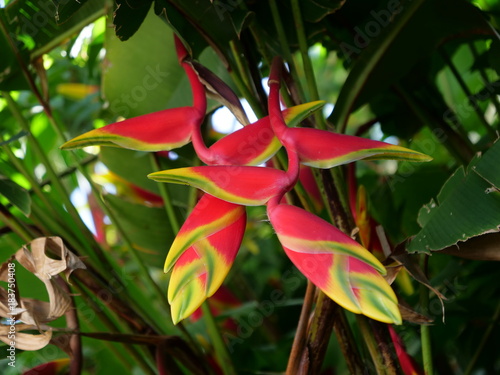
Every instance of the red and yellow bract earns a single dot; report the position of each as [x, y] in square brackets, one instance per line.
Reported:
[200, 269]
[250, 186]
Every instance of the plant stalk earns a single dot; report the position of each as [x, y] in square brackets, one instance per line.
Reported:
[221, 352]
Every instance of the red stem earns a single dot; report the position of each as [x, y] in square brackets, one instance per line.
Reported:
[280, 129]
[202, 151]
[199, 97]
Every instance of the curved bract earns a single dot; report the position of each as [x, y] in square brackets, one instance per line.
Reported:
[250, 186]
[202, 268]
[324, 149]
[158, 131]
[209, 216]
[344, 270]
[256, 143]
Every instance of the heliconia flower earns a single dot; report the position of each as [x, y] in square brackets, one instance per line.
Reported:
[324, 149]
[158, 131]
[56, 367]
[97, 218]
[344, 270]
[250, 186]
[408, 364]
[131, 192]
[253, 144]
[209, 216]
[201, 269]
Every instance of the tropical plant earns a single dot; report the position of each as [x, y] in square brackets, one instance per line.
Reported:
[346, 221]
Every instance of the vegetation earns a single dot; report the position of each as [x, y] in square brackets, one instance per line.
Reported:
[376, 256]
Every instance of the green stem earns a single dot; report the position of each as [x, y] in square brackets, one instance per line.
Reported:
[56, 182]
[425, 335]
[113, 327]
[242, 81]
[15, 224]
[167, 201]
[285, 47]
[371, 344]
[306, 61]
[223, 357]
[28, 175]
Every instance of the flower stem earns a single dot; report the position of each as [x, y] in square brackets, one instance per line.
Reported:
[167, 201]
[14, 224]
[280, 30]
[425, 335]
[300, 338]
[371, 344]
[223, 357]
[306, 61]
[242, 82]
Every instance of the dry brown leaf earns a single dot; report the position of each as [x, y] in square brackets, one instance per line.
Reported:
[392, 272]
[25, 341]
[412, 316]
[32, 312]
[484, 247]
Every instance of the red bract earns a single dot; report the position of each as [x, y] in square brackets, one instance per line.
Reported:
[335, 263]
[205, 248]
[250, 186]
[205, 254]
[163, 130]
[158, 131]
[209, 216]
[252, 145]
[344, 270]
[56, 367]
[323, 149]
[408, 364]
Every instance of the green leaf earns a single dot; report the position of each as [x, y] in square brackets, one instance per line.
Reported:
[129, 16]
[147, 228]
[390, 53]
[66, 9]
[467, 206]
[143, 73]
[37, 20]
[316, 10]
[11, 76]
[16, 195]
[217, 22]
